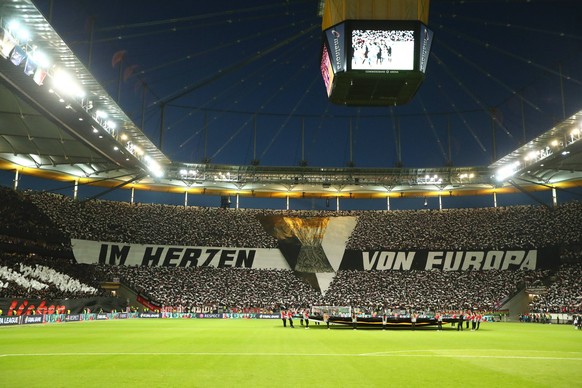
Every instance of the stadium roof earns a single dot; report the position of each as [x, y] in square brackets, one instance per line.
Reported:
[46, 131]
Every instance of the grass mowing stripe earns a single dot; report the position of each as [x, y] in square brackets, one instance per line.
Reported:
[389, 354]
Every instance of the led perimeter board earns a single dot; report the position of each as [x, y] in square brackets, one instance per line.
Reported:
[374, 62]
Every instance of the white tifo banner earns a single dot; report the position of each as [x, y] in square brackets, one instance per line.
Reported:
[94, 252]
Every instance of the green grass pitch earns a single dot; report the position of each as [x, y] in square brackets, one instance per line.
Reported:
[261, 353]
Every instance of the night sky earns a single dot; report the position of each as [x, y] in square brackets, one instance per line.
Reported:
[484, 56]
[233, 67]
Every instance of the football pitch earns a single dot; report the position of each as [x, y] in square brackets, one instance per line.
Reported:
[261, 353]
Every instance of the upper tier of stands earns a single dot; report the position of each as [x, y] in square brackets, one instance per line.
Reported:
[453, 229]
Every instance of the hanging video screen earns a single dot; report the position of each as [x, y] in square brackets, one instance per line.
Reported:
[326, 70]
[374, 49]
[374, 62]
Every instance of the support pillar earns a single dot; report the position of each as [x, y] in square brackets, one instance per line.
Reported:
[76, 190]
[16, 180]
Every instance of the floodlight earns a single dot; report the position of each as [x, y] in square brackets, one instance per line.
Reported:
[64, 82]
[532, 155]
[19, 31]
[506, 171]
[154, 167]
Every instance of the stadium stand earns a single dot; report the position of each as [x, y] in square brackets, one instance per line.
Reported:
[427, 290]
[231, 288]
[153, 223]
[34, 276]
[495, 228]
[563, 295]
[37, 227]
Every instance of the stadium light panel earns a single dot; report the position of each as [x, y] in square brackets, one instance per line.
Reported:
[65, 83]
[506, 171]
[19, 31]
[532, 155]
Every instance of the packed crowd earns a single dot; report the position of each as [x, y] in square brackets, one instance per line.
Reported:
[485, 228]
[564, 295]
[235, 288]
[153, 223]
[452, 229]
[35, 220]
[192, 287]
[406, 290]
[33, 276]
[427, 290]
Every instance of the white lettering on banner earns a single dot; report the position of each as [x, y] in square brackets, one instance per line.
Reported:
[388, 260]
[493, 260]
[472, 261]
[449, 260]
[479, 260]
[453, 264]
[93, 252]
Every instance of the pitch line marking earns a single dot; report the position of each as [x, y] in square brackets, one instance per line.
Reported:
[388, 354]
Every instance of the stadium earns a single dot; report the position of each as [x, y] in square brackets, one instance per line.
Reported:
[184, 188]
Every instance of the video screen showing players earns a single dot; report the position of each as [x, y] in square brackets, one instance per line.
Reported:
[382, 50]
